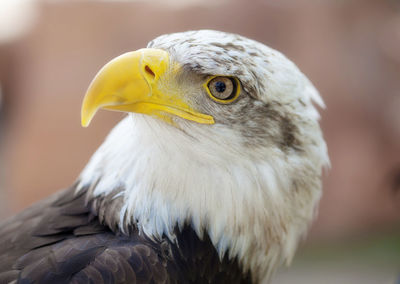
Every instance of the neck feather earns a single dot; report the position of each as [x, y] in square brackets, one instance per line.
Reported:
[254, 207]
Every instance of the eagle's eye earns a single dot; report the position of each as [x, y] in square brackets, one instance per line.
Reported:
[223, 89]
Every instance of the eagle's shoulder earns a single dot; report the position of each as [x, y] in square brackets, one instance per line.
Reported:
[60, 240]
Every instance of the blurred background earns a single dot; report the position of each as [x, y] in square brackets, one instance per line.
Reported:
[350, 49]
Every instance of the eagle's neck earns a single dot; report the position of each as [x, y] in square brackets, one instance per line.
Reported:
[157, 177]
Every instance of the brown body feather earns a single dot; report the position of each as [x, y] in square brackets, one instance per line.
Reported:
[60, 240]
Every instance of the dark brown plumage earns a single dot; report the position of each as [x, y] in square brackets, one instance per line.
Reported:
[60, 240]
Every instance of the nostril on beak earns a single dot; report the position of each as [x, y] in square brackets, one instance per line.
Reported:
[150, 72]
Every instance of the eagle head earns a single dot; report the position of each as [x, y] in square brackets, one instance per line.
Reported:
[222, 135]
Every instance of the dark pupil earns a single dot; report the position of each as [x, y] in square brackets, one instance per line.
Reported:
[220, 86]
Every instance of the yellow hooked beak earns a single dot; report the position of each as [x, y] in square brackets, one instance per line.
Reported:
[138, 82]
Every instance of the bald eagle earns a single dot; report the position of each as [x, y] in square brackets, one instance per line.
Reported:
[212, 177]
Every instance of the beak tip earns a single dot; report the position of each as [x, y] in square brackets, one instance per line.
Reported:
[86, 118]
[84, 123]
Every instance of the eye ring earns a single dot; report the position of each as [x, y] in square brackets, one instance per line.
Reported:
[223, 89]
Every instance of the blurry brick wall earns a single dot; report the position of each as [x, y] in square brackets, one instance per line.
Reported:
[349, 49]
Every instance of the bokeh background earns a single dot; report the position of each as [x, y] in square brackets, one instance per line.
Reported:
[350, 49]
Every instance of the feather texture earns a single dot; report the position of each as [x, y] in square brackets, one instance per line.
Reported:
[61, 241]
